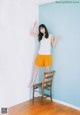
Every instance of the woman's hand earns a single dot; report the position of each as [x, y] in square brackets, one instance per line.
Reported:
[57, 37]
[35, 23]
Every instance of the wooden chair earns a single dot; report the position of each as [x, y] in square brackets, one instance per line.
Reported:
[46, 84]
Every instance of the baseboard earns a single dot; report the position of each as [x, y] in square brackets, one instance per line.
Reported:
[66, 104]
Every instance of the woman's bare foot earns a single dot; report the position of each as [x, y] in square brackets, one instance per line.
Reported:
[32, 83]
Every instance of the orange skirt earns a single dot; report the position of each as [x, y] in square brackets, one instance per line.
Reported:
[43, 60]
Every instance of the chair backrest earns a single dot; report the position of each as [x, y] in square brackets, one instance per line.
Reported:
[48, 77]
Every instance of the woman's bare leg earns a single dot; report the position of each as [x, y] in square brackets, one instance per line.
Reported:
[34, 74]
[47, 70]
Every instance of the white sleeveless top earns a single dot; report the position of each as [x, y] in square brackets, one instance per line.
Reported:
[45, 45]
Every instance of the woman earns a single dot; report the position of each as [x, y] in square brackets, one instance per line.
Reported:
[44, 57]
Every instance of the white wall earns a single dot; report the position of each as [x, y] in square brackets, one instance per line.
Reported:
[17, 50]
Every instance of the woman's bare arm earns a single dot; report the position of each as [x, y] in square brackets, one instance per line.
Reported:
[54, 40]
[32, 31]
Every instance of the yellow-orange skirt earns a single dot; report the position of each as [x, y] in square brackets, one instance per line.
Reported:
[43, 60]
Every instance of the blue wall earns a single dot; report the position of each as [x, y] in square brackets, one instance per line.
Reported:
[64, 20]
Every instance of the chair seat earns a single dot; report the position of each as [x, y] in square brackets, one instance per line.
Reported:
[39, 85]
[35, 86]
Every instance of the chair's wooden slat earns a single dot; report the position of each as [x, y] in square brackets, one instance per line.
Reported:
[46, 95]
[48, 77]
[45, 82]
[49, 72]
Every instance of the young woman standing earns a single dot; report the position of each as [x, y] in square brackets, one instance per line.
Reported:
[44, 57]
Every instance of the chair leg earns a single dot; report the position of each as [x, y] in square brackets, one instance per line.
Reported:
[51, 93]
[43, 96]
[33, 95]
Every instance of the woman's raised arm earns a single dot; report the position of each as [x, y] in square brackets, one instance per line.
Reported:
[32, 31]
[54, 40]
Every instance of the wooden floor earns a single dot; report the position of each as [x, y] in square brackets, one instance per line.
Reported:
[37, 108]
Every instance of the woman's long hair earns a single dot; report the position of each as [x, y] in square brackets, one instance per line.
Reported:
[40, 35]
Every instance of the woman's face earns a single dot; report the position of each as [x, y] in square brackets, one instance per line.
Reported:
[42, 30]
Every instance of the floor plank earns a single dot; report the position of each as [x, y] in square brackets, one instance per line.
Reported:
[38, 108]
